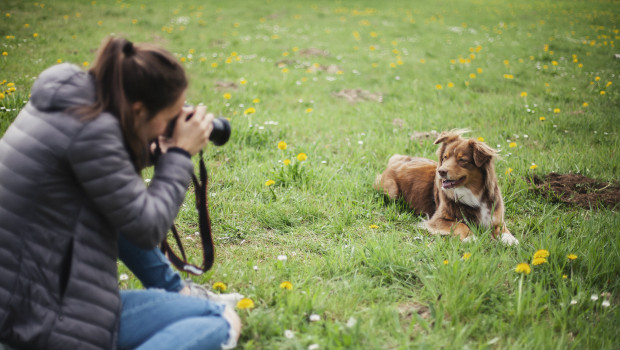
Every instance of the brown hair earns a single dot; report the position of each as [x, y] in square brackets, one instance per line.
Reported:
[125, 73]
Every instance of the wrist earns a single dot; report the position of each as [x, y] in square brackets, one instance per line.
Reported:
[176, 149]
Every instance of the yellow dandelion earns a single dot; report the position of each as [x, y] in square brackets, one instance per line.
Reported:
[422, 61]
[523, 94]
[286, 285]
[219, 286]
[284, 70]
[533, 166]
[541, 253]
[245, 303]
[603, 92]
[308, 110]
[523, 268]
[438, 87]
[35, 35]
[1, 96]
[542, 119]
[466, 256]
[597, 78]
[85, 64]
[556, 110]
[301, 157]
[479, 70]
[608, 83]
[243, 82]
[450, 85]
[269, 183]
[214, 64]
[282, 145]
[256, 100]
[373, 226]
[472, 76]
[538, 261]
[571, 256]
[134, 21]
[508, 76]
[481, 139]
[564, 277]
[508, 171]
[287, 162]
[555, 63]
[512, 145]
[445, 262]
[250, 110]
[4, 53]
[227, 96]
[585, 104]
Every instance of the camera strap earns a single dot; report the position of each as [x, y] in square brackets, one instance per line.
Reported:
[204, 222]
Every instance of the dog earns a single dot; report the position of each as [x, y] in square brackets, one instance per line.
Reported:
[461, 189]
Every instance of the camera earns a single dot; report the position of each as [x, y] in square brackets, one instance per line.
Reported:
[219, 135]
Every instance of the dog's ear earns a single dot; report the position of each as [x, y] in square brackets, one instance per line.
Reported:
[450, 136]
[482, 152]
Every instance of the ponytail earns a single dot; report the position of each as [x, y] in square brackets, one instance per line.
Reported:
[125, 73]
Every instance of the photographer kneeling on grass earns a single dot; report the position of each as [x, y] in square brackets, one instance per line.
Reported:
[70, 182]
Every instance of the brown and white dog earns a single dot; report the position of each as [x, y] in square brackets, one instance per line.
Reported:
[461, 189]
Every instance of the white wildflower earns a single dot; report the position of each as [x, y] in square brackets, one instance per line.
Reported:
[315, 318]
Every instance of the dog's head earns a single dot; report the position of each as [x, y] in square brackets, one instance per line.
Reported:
[464, 162]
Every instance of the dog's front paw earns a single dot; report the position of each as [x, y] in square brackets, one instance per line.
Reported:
[509, 239]
[470, 238]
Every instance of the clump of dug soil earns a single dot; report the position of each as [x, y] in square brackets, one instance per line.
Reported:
[577, 190]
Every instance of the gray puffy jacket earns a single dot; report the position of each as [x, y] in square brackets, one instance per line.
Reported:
[67, 187]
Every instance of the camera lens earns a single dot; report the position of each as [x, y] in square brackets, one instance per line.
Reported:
[221, 131]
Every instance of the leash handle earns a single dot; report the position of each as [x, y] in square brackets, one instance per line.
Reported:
[204, 222]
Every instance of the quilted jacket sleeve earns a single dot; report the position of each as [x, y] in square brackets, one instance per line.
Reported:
[102, 166]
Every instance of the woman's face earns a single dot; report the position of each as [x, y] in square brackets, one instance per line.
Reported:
[156, 126]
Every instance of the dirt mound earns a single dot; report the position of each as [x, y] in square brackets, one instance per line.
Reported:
[357, 95]
[578, 190]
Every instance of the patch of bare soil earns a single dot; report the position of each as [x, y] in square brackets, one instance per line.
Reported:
[421, 136]
[578, 190]
[358, 95]
[313, 52]
[330, 69]
[226, 85]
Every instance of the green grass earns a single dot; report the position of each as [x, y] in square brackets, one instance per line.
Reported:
[385, 287]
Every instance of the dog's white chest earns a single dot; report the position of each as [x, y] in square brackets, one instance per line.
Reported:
[485, 215]
[466, 196]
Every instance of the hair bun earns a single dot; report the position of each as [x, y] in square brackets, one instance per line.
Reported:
[128, 48]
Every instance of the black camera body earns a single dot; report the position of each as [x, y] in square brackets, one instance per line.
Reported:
[219, 135]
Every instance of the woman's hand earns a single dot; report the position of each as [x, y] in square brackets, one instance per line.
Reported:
[192, 135]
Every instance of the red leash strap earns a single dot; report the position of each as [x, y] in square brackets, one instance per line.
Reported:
[204, 222]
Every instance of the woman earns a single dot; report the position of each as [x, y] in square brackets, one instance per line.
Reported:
[70, 181]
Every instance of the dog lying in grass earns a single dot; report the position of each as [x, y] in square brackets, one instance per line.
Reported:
[461, 189]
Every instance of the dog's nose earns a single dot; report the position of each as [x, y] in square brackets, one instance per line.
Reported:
[442, 173]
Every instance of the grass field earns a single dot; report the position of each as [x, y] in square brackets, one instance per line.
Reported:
[537, 80]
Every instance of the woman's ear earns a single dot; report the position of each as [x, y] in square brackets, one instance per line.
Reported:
[139, 111]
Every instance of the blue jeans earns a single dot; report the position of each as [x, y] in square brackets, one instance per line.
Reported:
[156, 319]
[162, 318]
[150, 266]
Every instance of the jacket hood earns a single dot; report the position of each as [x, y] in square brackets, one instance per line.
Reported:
[62, 86]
